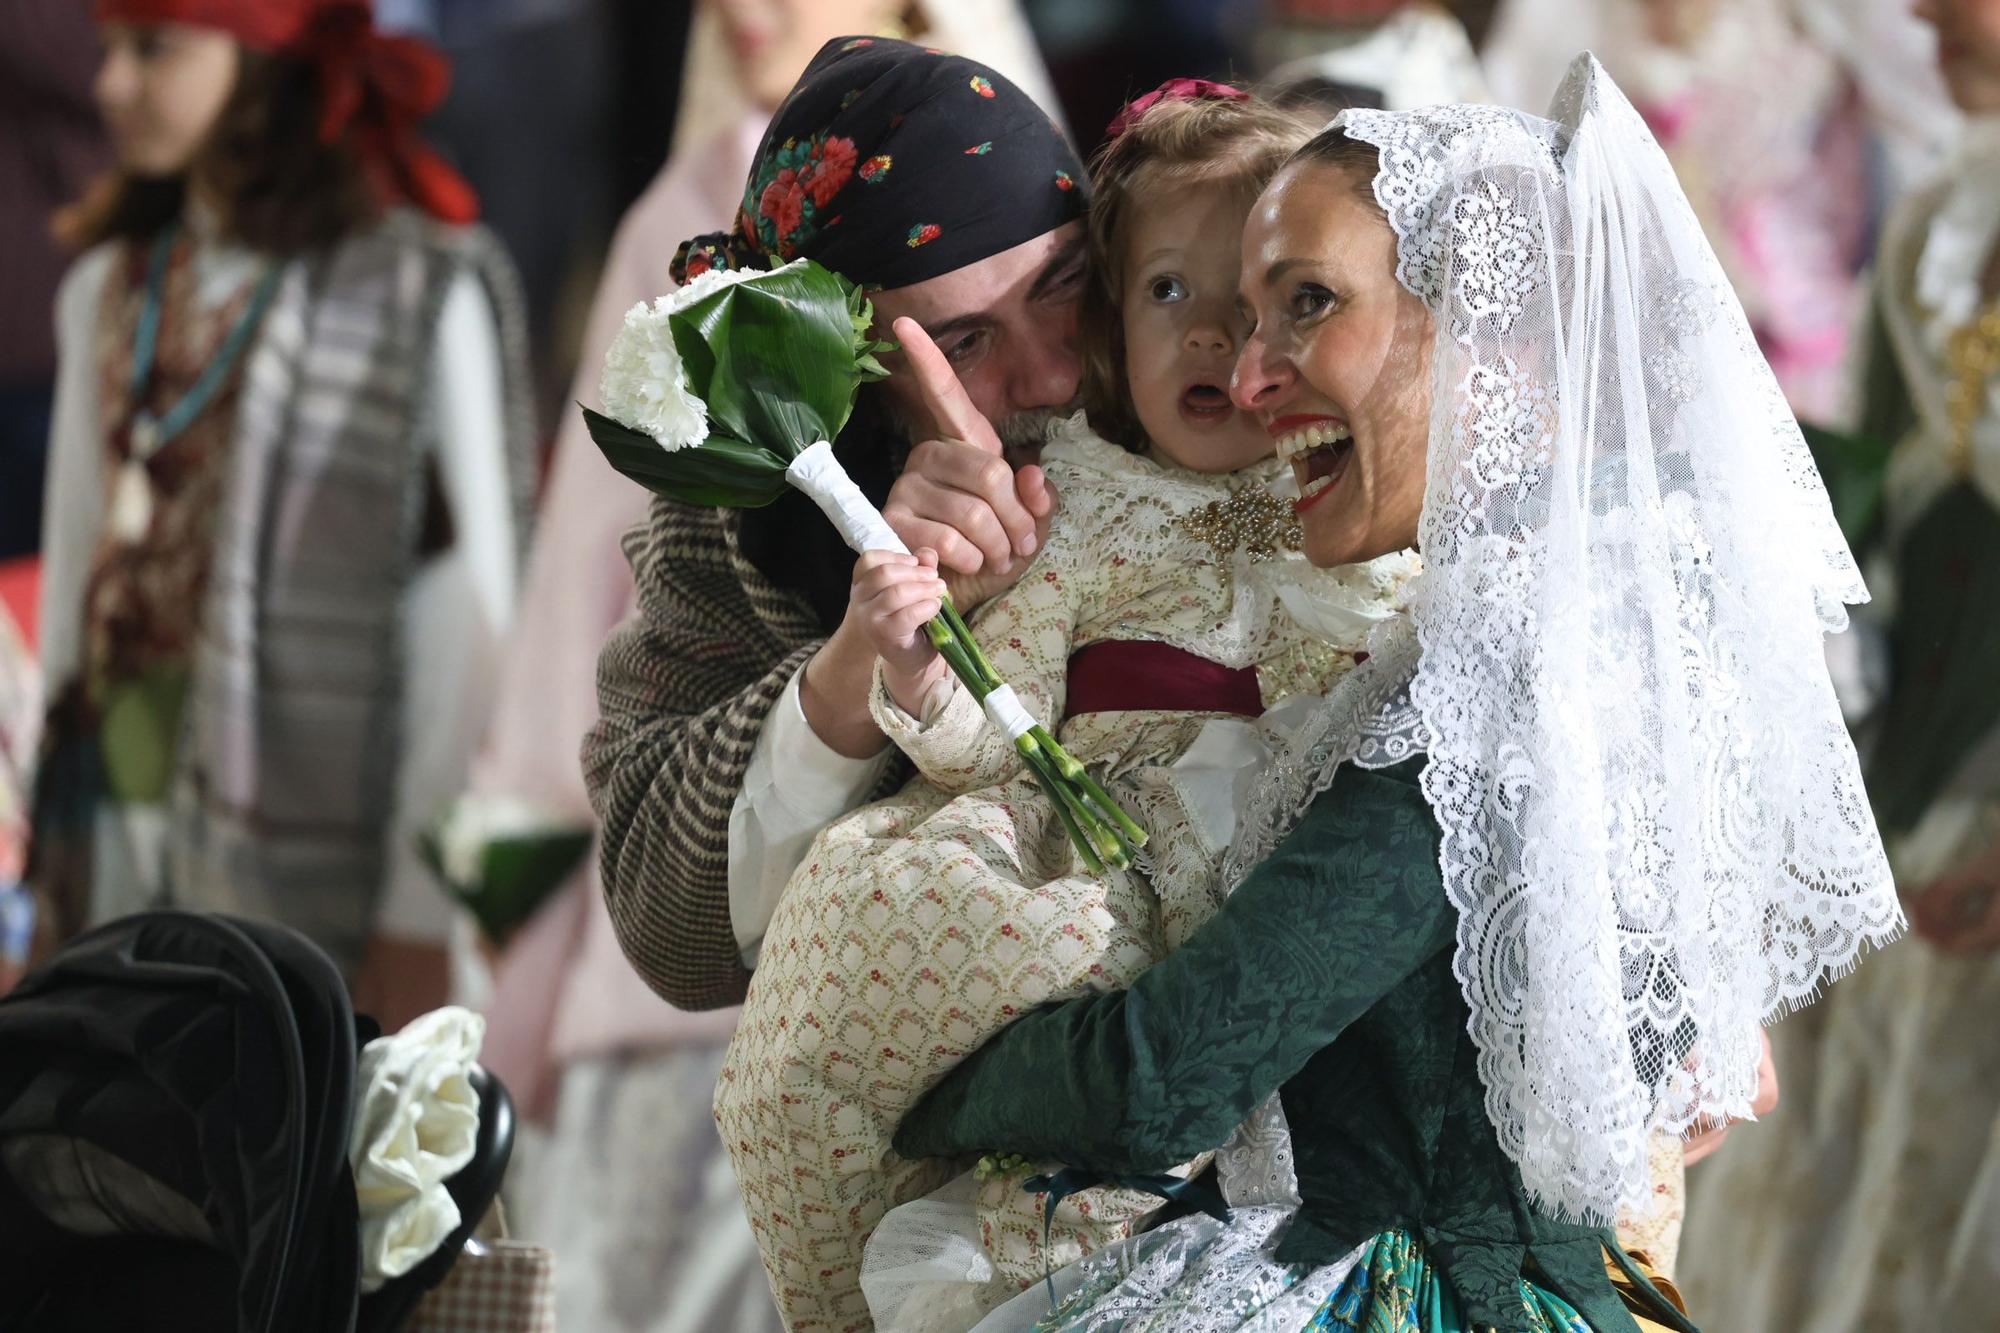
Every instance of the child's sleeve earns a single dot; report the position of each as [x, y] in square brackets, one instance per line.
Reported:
[1135, 1080]
[1025, 632]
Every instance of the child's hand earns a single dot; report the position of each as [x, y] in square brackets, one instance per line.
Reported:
[893, 597]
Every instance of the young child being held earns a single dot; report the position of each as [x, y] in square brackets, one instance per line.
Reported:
[1168, 594]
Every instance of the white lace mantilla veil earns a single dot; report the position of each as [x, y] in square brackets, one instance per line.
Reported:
[1654, 829]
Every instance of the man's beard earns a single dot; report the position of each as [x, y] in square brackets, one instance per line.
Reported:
[1023, 434]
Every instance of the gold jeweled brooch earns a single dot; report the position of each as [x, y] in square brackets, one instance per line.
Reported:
[1251, 520]
[1972, 356]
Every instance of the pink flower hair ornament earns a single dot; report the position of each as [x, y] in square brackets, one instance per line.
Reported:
[1173, 90]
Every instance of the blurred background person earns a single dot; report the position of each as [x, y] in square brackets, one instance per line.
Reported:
[51, 146]
[529, 122]
[1792, 125]
[20, 723]
[287, 466]
[1101, 53]
[1393, 54]
[630, 1182]
[1873, 1200]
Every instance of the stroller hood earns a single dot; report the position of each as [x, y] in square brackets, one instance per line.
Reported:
[175, 1094]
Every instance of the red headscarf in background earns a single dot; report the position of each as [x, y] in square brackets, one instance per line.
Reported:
[373, 87]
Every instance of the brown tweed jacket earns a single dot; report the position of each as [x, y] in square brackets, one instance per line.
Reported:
[683, 690]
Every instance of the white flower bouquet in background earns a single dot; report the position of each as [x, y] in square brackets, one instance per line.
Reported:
[502, 858]
[729, 390]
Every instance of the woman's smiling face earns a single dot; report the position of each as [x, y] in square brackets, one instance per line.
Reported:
[1338, 361]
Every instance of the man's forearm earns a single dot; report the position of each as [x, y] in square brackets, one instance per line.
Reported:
[683, 693]
[663, 785]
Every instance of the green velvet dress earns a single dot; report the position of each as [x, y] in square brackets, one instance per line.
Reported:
[1327, 977]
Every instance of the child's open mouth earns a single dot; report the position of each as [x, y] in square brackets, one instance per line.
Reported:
[1318, 448]
[1205, 405]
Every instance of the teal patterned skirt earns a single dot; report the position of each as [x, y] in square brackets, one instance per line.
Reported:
[1394, 1289]
[1195, 1273]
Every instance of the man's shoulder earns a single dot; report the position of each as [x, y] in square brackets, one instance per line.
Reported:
[671, 521]
[681, 535]
[695, 551]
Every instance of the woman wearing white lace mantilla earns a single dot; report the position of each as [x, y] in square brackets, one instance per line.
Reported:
[1527, 884]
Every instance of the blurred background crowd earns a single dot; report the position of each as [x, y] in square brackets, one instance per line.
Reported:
[596, 135]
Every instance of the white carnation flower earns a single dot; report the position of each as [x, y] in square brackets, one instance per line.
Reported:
[644, 385]
[474, 823]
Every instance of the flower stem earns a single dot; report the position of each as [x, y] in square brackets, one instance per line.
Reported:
[964, 632]
[1078, 839]
[1132, 833]
[1101, 832]
[1065, 765]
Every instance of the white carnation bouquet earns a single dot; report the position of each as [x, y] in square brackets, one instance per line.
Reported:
[729, 390]
[502, 858]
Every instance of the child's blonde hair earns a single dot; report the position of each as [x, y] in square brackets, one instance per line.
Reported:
[1176, 142]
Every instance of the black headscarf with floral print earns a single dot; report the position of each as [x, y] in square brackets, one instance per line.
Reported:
[891, 163]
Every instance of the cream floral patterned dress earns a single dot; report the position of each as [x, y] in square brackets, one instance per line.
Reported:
[918, 926]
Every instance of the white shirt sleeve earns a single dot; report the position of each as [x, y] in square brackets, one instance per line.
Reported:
[457, 608]
[73, 500]
[795, 786]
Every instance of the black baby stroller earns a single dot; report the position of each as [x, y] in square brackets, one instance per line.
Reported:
[176, 1096]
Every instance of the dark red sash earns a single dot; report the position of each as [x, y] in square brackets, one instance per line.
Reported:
[1157, 677]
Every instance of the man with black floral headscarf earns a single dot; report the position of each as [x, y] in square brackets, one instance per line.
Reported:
[734, 706]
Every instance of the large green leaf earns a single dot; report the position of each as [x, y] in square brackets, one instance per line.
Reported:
[776, 360]
[785, 357]
[721, 473]
[697, 362]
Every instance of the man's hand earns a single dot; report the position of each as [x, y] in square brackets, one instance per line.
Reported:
[957, 495]
[1960, 914]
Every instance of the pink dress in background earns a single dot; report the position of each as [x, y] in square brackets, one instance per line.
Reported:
[625, 1178]
[577, 587]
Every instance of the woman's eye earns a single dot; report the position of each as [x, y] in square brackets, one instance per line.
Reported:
[1167, 288]
[1310, 299]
